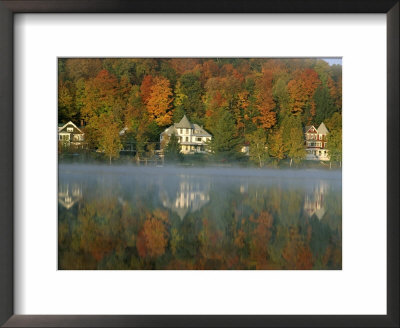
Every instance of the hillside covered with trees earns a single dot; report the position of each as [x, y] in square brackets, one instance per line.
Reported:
[263, 103]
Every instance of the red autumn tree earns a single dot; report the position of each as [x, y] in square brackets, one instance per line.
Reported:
[145, 88]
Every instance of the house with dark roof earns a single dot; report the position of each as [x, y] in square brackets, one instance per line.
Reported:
[192, 137]
[70, 135]
[316, 143]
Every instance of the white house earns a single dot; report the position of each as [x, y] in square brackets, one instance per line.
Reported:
[70, 134]
[192, 137]
[316, 143]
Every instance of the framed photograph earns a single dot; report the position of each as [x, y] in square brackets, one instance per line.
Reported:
[214, 164]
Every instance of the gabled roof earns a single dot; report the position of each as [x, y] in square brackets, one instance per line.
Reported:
[308, 127]
[322, 129]
[201, 132]
[70, 122]
[184, 123]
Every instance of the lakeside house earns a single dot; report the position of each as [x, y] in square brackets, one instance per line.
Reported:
[316, 143]
[70, 135]
[192, 137]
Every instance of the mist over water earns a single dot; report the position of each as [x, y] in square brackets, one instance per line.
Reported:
[130, 217]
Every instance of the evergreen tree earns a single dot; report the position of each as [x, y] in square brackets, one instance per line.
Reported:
[334, 138]
[172, 152]
[224, 142]
[188, 96]
[324, 104]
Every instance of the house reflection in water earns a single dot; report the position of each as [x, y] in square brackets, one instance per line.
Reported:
[314, 202]
[191, 194]
[69, 194]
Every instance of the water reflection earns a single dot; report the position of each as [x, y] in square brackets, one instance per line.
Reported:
[147, 218]
[69, 194]
[192, 194]
[314, 201]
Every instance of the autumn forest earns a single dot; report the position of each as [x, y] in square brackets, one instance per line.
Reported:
[262, 103]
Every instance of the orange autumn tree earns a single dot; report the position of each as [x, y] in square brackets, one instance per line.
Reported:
[158, 100]
[301, 91]
[152, 238]
[265, 101]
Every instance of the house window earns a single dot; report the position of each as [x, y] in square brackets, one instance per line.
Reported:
[187, 138]
[69, 129]
[198, 139]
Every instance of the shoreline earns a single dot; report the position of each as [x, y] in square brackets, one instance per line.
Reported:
[217, 171]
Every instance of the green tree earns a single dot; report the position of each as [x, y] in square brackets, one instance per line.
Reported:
[293, 138]
[275, 144]
[224, 142]
[109, 138]
[188, 96]
[172, 152]
[66, 108]
[280, 93]
[258, 147]
[334, 138]
[324, 104]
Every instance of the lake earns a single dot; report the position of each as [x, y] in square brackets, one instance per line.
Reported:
[179, 218]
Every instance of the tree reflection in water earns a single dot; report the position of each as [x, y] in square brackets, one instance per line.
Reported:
[148, 218]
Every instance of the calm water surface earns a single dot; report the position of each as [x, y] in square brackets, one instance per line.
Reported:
[128, 218]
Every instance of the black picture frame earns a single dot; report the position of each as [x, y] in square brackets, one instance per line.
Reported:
[10, 7]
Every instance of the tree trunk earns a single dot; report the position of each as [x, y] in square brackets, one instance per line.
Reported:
[110, 159]
[330, 165]
[291, 162]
